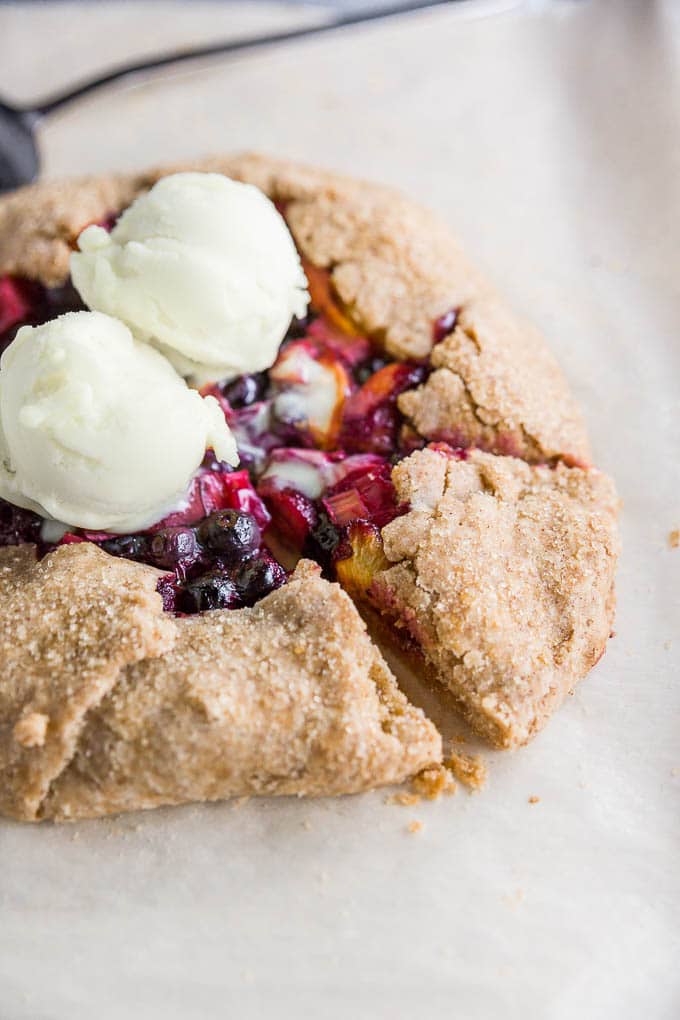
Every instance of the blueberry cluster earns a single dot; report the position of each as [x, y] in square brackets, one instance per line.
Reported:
[219, 563]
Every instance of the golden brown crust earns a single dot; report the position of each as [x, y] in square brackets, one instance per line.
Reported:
[396, 270]
[289, 697]
[142, 710]
[503, 575]
[496, 386]
[68, 625]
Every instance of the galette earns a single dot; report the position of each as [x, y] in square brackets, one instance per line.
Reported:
[247, 407]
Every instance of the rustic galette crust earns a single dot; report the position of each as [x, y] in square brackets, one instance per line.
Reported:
[503, 576]
[289, 697]
[68, 625]
[144, 710]
[514, 409]
[501, 572]
[395, 269]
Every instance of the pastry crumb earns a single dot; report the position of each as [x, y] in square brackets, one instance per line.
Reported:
[414, 826]
[433, 782]
[403, 798]
[31, 730]
[239, 802]
[674, 538]
[534, 799]
[514, 899]
[469, 769]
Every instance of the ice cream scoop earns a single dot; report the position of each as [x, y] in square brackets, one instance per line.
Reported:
[96, 428]
[201, 266]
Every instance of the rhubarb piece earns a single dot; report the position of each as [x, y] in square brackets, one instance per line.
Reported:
[373, 492]
[294, 515]
[312, 472]
[371, 420]
[351, 349]
[213, 490]
[345, 506]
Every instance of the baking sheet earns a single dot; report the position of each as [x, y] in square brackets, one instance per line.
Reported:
[548, 135]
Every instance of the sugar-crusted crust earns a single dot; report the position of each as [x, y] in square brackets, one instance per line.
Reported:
[289, 697]
[68, 625]
[395, 269]
[503, 576]
[143, 710]
[495, 386]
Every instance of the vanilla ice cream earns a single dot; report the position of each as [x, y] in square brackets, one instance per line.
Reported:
[203, 267]
[97, 429]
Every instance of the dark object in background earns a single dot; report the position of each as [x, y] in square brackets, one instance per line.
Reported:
[19, 154]
[19, 160]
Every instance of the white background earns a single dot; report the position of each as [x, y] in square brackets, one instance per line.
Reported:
[547, 134]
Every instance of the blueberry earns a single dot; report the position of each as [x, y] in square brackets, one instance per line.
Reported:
[172, 546]
[256, 579]
[325, 534]
[214, 590]
[132, 547]
[365, 369]
[245, 390]
[322, 541]
[18, 526]
[233, 535]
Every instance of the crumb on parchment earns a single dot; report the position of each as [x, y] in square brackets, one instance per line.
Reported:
[414, 826]
[440, 780]
[674, 538]
[433, 782]
[533, 799]
[469, 769]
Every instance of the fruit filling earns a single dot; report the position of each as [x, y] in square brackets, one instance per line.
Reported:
[317, 434]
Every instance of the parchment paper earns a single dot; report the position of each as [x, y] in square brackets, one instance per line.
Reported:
[548, 135]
